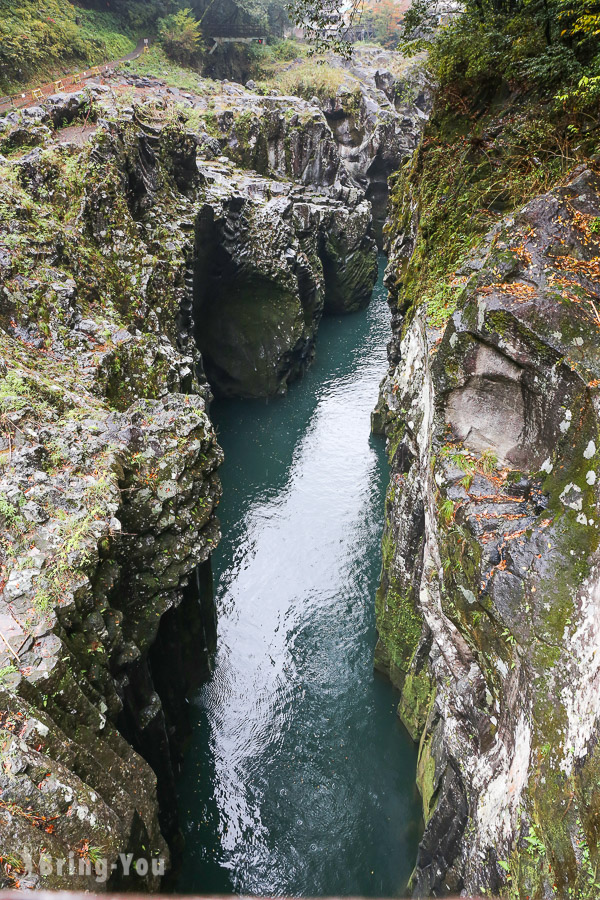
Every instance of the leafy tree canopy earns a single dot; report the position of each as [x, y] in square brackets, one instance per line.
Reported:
[180, 35]
[269, 16]
[327, 23]
[549, 46]
[386, 18]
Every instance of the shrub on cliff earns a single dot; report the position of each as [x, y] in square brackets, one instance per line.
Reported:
[547, 47]
[311, 79]
[516, 109]
[527, 52]
[180, 34]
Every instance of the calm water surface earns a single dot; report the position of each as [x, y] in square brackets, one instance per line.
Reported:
[300, 780]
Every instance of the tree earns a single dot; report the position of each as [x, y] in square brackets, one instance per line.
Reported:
[386, 16]
[327, 23]
[581, 18]
[220, 15]
[180, 35]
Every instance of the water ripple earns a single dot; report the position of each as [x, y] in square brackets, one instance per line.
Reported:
[300, 781]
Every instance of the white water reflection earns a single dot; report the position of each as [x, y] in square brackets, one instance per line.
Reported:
[306, 760]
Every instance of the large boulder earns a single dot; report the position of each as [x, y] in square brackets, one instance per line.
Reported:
[349, 256]
[258, 298]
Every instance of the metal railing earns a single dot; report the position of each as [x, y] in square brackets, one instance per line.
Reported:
[68, 82]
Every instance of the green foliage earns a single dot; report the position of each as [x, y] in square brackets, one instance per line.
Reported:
[441, 303]
[447, 510]
[535, 845]
[285, 50]
[323, 23]
[311, 79]
[10, 518]
[94, 854]
[509, 637]
[158, 64]
[227, 16]
[469, 52]
[471, 169]
[141, 16]
[14, 392]
[180, 35]
[42, 39]
[533, 45]
[582, 97]
[478, 54]
[580, 18]
[37, 36]
[270, 61]
[11, 866]
[385, 17]
[5, 671]
[418, 26]
[78, 537]
[554, 66]
[458, 459]
[488, 461]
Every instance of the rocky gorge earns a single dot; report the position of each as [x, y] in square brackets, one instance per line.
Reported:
[163, 246]
[158, 247]
[487, 608]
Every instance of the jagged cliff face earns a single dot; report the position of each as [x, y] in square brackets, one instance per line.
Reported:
[271, 256]
[135, 260]
[355, 134]
[377, 119]
[488, 607]
[109, 489]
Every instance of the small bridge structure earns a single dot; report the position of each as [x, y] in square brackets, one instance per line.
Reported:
[235, 34]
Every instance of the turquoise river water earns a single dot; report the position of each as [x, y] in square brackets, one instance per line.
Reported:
[300, 779]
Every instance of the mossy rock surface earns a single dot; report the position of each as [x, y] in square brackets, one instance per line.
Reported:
[492, 423]
[247, 337]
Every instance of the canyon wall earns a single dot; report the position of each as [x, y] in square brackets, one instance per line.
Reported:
[108, 496]
[488, 609]
[143, 268]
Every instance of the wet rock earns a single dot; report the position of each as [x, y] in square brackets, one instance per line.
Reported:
[272, 259]
[489, 598]
[143, 258]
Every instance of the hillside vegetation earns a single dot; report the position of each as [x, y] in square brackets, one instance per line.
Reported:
[516, 110]
[40, 38]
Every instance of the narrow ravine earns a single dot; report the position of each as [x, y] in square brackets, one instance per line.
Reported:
[300, 779]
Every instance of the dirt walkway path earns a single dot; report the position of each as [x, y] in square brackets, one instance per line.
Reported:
[67, 84]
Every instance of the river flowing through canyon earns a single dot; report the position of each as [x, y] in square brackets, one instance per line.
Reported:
[300, 779]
